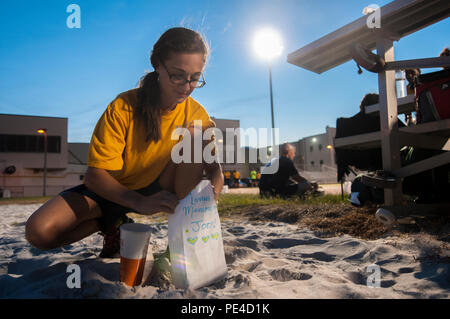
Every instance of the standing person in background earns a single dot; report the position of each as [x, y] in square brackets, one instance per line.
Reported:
[253, 178]
[236, 176]
[227, 176]
[130, 168]
[411, 75]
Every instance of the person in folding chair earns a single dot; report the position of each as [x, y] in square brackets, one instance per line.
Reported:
[286, 181]
[445, 52]
[130, 168]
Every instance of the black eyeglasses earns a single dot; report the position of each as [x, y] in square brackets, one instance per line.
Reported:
[179, 79]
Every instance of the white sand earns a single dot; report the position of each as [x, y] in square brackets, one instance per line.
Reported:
[265, 260]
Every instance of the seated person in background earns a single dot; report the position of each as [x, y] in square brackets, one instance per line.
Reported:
[368, 99]
[227, 176]
[279, 183]
[411, 75]
[236, 176]
[361, 123]
[445, 52]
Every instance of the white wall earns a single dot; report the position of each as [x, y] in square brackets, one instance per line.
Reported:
[27, 182]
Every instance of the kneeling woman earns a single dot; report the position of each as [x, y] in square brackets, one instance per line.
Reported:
[130, 167]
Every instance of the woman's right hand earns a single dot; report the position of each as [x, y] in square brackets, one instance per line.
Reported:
[162, 201]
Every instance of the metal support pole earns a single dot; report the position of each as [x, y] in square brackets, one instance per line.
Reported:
[271, 104]
[45, 164]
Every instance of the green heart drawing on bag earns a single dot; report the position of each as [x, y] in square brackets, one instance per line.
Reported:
[205, 238]
[192, 240]
[215, 236]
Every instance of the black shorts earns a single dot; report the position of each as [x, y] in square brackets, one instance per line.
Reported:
[111, 212]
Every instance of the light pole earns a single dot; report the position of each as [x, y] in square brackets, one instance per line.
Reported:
[267, 45]
[271, 103]
[44, 131]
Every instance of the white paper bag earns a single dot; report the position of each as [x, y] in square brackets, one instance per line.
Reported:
[195, 240]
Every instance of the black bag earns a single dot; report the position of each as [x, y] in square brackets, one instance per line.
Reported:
[431, 186]
[428, 187]
[364, 193]
[367, 159]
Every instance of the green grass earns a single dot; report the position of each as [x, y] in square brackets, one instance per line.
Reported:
[231, 202]
[227, 202]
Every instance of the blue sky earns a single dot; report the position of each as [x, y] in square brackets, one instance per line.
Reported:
[48, 69]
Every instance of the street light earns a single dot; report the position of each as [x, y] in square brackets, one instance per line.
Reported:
[267, 45]
[44, 131]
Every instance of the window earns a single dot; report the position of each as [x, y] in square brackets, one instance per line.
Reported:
[321, 162]
[312, 163]
[311, 148]
[29, 143]
[320, 147]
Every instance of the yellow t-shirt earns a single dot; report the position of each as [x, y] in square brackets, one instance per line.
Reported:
[118, 146]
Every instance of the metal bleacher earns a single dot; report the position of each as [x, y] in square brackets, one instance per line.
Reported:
[398, 19]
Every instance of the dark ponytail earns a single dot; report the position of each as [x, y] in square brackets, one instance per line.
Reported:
[147, 112]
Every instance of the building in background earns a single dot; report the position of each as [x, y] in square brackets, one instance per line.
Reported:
[230, 146]
[22, 156]
[315, 157]
[78, 153]
[316, 152]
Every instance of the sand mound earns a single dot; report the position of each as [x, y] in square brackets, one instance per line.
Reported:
[265, 258]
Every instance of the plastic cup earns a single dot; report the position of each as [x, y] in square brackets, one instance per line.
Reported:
[385, 216]
[134, 239]
[400, 87]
